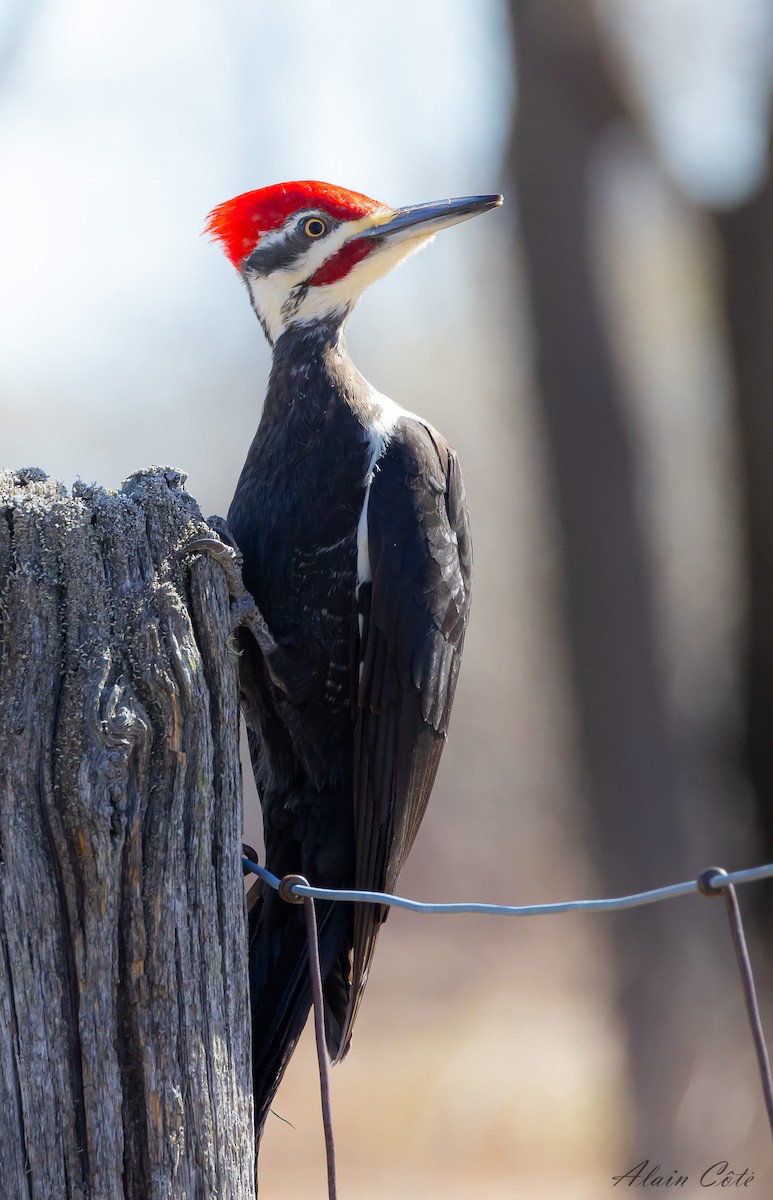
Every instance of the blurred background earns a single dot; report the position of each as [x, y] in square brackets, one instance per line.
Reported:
[600, 352]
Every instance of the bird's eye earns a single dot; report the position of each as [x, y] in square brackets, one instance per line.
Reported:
[314, 228]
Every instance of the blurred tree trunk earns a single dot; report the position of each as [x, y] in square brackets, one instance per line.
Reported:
[566, 97]
[124, 1023]
[18, 23]
[746, 240]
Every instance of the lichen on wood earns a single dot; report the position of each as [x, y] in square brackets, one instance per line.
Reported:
[124, 1021]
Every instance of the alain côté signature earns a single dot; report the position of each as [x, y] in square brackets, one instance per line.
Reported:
[718, 1174]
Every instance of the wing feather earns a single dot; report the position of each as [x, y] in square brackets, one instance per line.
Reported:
[412, 616]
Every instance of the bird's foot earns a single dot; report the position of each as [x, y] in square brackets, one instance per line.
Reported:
[244, 610]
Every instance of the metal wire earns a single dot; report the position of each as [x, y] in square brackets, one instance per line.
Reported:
[714, 881]
[750, 997]
[312, 939]
[510, 910]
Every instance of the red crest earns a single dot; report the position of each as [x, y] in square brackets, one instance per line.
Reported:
[239, 223]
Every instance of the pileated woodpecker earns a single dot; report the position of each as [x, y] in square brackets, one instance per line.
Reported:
[351, 519]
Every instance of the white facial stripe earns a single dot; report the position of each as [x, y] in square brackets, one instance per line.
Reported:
[270, 293]
[318, 249]
[342, 295]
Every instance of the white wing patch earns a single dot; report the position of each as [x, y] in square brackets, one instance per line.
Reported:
[386, 414]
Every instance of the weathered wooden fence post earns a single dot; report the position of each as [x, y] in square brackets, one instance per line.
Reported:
[124, 1025]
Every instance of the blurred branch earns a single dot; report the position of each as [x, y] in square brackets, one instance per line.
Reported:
[566, 98]
[746, 241]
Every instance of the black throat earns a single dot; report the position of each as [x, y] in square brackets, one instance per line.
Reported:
[303, 484]
[313, 375]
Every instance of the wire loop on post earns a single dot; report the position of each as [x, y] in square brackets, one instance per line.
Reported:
[286, 891]
[711, 882]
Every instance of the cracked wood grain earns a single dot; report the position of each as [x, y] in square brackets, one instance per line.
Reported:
[124, 1021]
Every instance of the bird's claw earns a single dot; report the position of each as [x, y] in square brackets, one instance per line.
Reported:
[244, 610]
[227, 558]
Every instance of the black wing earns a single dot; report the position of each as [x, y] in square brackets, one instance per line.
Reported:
[408, 646]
